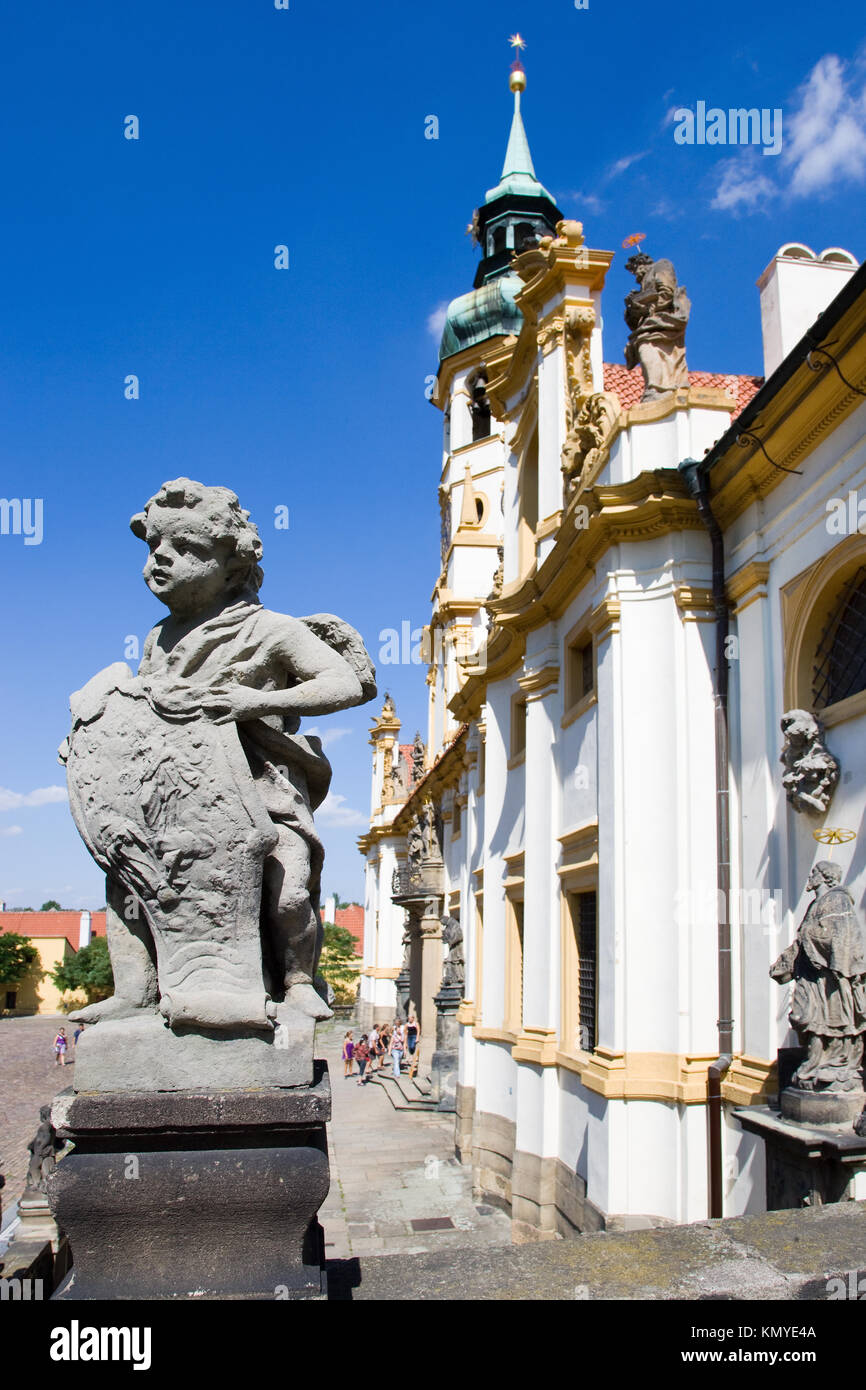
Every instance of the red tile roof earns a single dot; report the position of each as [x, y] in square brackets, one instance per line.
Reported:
[64, 923]
[352, 917]
[628, 384]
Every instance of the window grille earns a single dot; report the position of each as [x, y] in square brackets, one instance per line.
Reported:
[840, 660]
[587, 964]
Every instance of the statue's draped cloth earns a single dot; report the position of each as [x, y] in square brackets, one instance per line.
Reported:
[182, 811]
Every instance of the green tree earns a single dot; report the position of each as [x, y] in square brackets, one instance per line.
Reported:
[51, 906]
[89, 970]
[339, 963]
[16, 957]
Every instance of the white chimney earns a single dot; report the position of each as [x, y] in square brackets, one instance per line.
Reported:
[330, 909]
[84, 930]
[795, 288]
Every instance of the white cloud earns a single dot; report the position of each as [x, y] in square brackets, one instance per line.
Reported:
[823, 143]
[42, 796]
[825, 135]
[11, 830]
[620, 165]
[329, 736]
[333, 811]
[436, 320]
[586, 202]
[742, 188]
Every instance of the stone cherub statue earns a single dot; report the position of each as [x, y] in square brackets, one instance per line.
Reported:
[657, 313]
[827, 962]
[811, 771]
[193, 789]
[42, 1149]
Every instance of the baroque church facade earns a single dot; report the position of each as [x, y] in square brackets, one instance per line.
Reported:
[643, 570]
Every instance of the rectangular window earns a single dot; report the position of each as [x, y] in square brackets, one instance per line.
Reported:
[584, 918]
[11, 996]
[518, 727]
[580, 674]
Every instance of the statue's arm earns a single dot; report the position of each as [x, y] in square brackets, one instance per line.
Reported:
[324, 681]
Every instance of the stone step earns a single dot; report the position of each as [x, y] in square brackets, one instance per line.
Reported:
[400, 1096]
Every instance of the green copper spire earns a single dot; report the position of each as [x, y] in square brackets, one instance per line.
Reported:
[518, 171]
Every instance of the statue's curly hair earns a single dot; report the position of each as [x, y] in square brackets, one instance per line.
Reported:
[228, 519]
[639, 258]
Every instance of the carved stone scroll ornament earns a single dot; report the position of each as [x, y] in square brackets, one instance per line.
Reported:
[657, 313]
[827, 962]
[587, 437]
[811, 772]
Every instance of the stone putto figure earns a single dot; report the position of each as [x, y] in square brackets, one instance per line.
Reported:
[657, 313]
[42, 1149]
[193, 789]
[811, 771]
[827, 962]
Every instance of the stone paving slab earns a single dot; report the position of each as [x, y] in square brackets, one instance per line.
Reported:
[389, 1167]
[788, 1255]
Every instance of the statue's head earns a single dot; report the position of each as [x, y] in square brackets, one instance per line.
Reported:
[202, 545]
[825, 872]
[638, 264]
[799, 726]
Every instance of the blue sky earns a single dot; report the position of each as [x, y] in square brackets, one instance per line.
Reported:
[305, 388]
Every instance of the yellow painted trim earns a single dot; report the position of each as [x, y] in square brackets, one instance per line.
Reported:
[850, 708]
[380, 972]
[750, 1081]
[466, 1012]
[747, 584]
[536, 1045]
[665, 1076]
[493, 1034]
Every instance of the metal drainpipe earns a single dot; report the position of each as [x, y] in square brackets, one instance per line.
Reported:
[697, 484]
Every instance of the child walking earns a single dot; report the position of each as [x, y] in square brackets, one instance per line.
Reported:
[348, 1054]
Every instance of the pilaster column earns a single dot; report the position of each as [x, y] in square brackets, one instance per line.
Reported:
[541, 887]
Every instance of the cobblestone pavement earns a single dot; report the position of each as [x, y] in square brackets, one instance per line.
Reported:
[28, 1079]
[390, 1168]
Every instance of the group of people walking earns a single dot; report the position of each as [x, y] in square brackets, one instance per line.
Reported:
[396, 1040]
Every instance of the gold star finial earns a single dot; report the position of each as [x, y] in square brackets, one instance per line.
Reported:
[517, 42]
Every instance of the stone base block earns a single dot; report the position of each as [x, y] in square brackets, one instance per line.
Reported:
[821, 1107]
[143, 1054]
[199, 1195]
[807, 1166]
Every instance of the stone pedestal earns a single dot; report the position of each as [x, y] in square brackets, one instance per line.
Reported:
[821, 1107]
[185, 1194]
[445, 1061]
[431, 978]
[403, 990]
[808, 1165]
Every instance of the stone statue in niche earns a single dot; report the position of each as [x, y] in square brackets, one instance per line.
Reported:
[827, 962]
[193, 789]
[43, 1148]
[657, 313]
[455, 965]
[811, 771]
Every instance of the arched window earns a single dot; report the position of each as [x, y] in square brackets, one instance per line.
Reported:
[525, 236]
[479, 405]
[840, 658]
